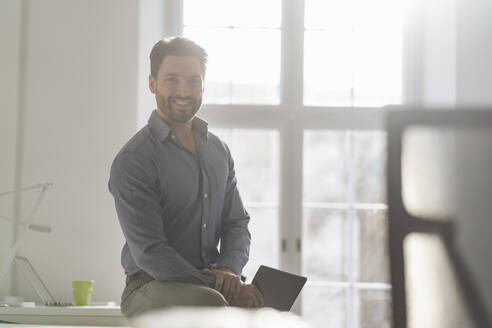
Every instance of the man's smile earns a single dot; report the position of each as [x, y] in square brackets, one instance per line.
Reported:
[182, 102]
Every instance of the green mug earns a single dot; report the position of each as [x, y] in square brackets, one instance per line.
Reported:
[82, 292]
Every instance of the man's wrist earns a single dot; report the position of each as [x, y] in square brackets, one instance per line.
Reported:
[209, 280]
[226, 269]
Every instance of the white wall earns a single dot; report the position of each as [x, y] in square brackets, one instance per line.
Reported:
[455, 49]
[10, 14]
[150, 31]
[474, 52]
[439, 52]
[80, 108]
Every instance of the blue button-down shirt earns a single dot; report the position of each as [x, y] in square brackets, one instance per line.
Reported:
[174, 206]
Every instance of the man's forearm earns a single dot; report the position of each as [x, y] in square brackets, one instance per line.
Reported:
[163, 263]
[235, 242]
[226, 269]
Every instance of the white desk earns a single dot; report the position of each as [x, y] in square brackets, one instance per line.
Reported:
[71, 315]
[16, 325]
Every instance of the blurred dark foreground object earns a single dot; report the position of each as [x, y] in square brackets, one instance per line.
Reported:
[440, 217]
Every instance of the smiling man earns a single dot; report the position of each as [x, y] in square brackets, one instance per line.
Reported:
[176, 197]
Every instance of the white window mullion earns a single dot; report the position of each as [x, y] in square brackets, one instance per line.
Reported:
[291, 143]
[353, 238]
[292, 54]
[291, 133]
[291, 81]
[173, 18]
[272, 117]
[412, 55]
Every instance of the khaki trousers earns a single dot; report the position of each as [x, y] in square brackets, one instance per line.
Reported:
[143, 293]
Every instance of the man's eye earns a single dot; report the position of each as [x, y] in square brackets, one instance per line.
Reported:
[195, 82]
[172, 80]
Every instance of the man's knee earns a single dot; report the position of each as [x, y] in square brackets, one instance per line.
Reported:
[209, 297]
[156, 295]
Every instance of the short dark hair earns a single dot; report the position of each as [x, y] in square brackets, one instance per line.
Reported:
[176, 46]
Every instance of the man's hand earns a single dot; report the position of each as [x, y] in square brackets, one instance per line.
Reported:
[226, 282]
[249, 297]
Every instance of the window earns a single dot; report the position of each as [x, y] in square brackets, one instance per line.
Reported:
[295, 88]
[345, 251]
[347, 45]
[243, 44]
[257, 173]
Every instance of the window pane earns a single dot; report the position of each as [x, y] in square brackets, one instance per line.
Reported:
[369, 156]
[375, 308]
[327, 68]
[243, 49]
[239, 13]
[373, 247]
[256, 161]
[353, 53]
[325, 306]
[324, 254]
[328, 15]
[377, 64]
[325, 166]
[264, 228]
[255, 154]
[343, 244]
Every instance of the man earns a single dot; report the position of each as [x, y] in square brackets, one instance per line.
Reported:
[175, 194]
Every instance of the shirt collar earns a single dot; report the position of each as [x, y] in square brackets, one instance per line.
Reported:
[201, 126]
[157, 124]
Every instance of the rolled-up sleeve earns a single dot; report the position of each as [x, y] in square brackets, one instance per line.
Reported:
[134, 186]
[236, 238]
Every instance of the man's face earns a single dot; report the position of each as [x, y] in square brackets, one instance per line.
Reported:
[178, 88]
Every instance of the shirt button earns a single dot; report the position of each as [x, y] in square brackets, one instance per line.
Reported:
[205, 195]
[204, 226]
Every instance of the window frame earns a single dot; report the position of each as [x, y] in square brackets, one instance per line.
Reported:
[291, 118]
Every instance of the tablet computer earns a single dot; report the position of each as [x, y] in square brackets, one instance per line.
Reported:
[279, 288]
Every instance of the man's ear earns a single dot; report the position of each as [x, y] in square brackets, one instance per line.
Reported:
[152, 84]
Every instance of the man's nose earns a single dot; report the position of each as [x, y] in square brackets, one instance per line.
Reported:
[183, 89]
